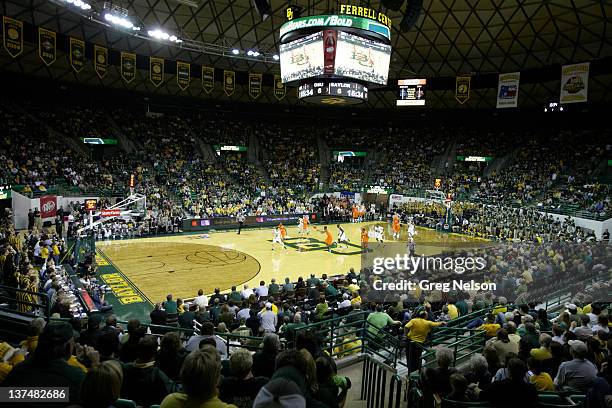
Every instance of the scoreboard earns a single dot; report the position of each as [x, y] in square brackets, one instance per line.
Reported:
[411, 92]
[330, 92]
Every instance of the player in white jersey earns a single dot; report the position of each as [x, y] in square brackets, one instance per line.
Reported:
[342, 237]
[411, 231]
[278, 239]
[379, 233]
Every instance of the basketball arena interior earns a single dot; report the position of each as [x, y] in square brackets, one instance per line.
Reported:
[302, 203]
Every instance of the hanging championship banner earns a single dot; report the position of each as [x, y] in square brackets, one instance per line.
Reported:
[13, 36]
[77, 54]
[47, 46]
[183, 74]
[229, 82]
[280, 90]
[128, 66]
[462, 89]
[507, 90]
[574, 83]
[156, 70]
[254, 85]
[208, 79]
[100, 60]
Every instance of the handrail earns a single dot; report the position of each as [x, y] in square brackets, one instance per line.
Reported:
[44, 305]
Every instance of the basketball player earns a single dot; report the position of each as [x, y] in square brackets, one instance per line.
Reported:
[283, 231]
[364, 240]
[396, 226]
[277, 238]
[329, 239]
[306, 225]
[411, 230]
[379, 233]
[342, 237]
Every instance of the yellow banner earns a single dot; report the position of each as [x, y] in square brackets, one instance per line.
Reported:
[47, 50]
[208, 79]
[77, 54]
[280, 90]
[100, 61]
[183, 74]
[229, 82]
[156, 70]
[128, 66]
[255, 85]
[462, 89]
[13, 36]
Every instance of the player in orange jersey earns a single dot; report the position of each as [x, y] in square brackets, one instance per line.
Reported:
[329, 239]
[364, 239]
[283, 231]
[396, 226]
[355, 213]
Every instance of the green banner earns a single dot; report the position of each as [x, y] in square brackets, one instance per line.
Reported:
[348, 153]
[475, 158]
[340, 21]
[99, 141]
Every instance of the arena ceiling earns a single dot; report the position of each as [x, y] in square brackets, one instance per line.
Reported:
[477, 37]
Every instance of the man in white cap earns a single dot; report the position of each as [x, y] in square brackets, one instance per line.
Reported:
[578, 373]
[268, 319]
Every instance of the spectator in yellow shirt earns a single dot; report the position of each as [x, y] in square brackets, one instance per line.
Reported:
[416, 331]
[541, 380]
[453, 312]
[490, 327]
[542, 353]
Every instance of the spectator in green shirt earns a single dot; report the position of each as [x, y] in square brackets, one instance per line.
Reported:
[235, 295]
[312, 281]
[330, 291]
[273, 288]
[170, 305]
[378, 321]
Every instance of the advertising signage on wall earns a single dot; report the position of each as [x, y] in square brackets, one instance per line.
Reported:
[201, 224]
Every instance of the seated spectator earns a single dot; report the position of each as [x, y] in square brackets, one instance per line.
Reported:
[513, 391]
[579, 373]
[171, 355]
[490, 327]
[142, 381]
[542, 353]
[200, 378]
[101, 387]
[280, 393]
[436, 380]
[530, 340]
[502, 346]
[264, 360]
[201, 301]
[458, 388]
[158, 315]
[332, 388]
[540, 379]
[48, 366]
[170, 305]
[241, 387]
[476, 371]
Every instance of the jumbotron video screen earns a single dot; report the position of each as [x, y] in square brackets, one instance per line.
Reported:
[302, 58]
[362, 59]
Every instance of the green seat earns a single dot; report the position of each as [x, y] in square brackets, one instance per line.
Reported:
[578, 399]
[125, 403]
[553, 400]
[154, 406]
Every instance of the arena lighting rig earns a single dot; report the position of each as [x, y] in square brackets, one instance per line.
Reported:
[335, 59]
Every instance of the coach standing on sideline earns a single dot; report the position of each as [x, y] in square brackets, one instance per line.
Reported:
[240, 219]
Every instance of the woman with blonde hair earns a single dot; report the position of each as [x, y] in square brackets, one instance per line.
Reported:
[102, 385]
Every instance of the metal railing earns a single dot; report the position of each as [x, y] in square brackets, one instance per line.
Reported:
[12, 300]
